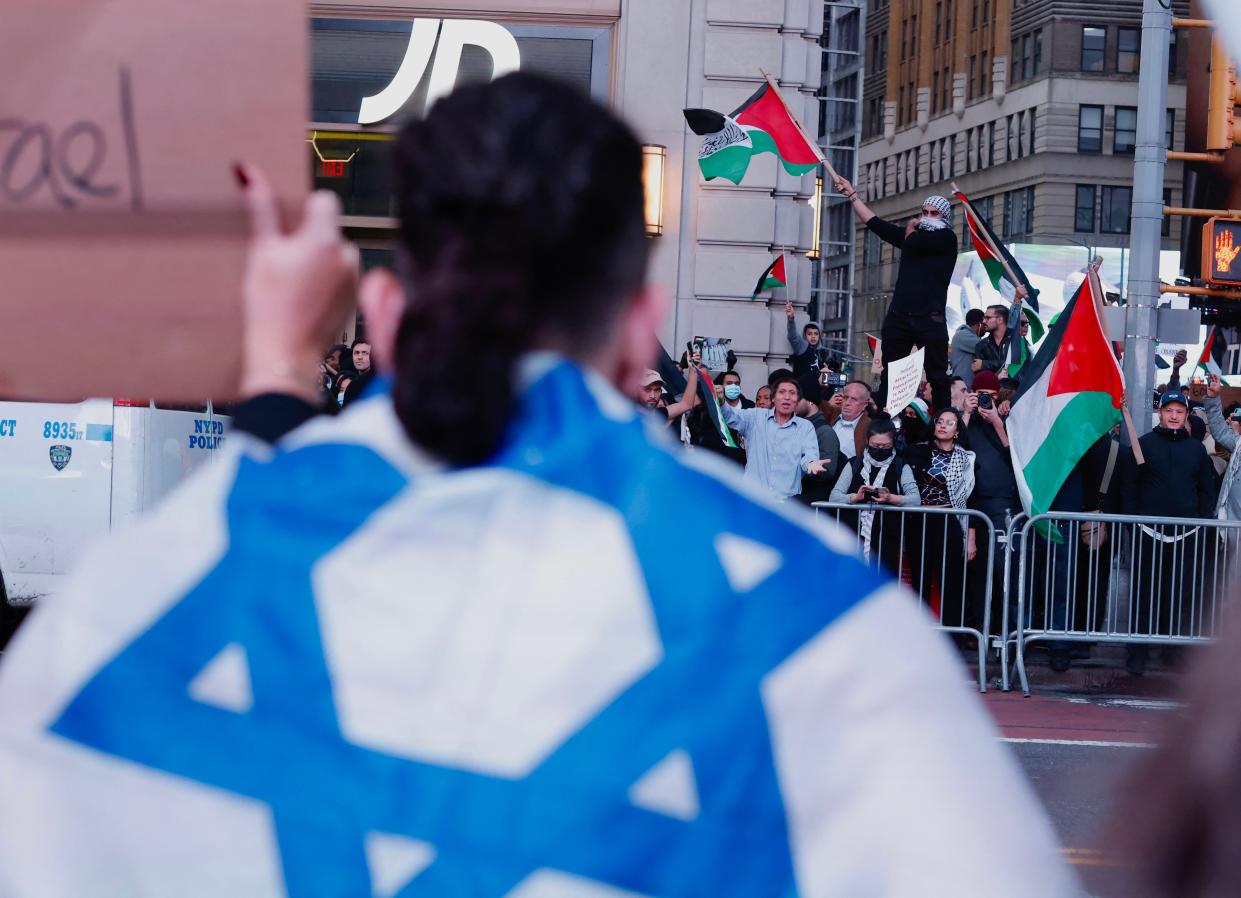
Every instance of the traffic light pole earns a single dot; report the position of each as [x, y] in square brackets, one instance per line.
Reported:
[1150, 155]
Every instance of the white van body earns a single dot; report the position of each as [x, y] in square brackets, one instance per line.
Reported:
[70, 472]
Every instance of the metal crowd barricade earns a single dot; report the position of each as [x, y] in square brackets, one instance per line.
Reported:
[915, 544]
[1121, 579]
[1006, 640]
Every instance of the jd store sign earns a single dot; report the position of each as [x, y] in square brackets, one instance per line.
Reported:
[437, 44]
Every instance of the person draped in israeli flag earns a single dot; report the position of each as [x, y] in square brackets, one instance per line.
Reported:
[489, 633]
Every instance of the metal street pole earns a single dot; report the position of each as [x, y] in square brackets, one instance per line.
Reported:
[1150, 156]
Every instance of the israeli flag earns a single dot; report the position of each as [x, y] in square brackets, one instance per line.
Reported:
[586, 670]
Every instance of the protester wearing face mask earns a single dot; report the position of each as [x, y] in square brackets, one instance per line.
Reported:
[877, 478]
[928, 248]
[730, 381]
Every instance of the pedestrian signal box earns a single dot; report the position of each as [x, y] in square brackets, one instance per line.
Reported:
[1221, 251]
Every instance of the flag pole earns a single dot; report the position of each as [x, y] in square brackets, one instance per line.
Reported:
[1096, 291]
[995, 251]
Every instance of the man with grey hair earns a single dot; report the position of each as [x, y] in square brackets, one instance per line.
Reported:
[928, 248]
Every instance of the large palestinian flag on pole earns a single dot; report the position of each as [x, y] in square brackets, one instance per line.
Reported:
[991, 251]
[773, 276]
[762, 124]
[1069, 398]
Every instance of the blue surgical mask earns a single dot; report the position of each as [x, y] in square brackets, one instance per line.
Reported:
[732, 392]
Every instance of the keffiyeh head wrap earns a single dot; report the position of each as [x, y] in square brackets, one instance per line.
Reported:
[941, 205]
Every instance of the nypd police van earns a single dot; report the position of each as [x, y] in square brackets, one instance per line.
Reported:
[70, 472]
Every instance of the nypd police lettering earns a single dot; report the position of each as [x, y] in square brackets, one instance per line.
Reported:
[208, 434]
[453, 36]
[8, 427]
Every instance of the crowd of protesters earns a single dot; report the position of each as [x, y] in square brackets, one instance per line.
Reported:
[811, 434]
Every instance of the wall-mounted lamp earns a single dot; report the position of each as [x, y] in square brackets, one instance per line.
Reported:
[653, 158]
[816, 202]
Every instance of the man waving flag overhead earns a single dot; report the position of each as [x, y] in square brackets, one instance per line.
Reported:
[1070, 396]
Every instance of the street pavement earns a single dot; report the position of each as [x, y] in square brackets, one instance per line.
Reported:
[1076, 747]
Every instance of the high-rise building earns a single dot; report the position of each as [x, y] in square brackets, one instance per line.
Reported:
[1030, 106]
[840, 132]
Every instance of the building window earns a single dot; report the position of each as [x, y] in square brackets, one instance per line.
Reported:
[913, 36]
[1126, 129]
[1114, 210]
[1172, 54]
[904, 39]
[1090, 129]
[1083, 209]
[974, 16]
[1018, 213]
[934, 93]
[939, 22]
[985, 208]
[973, 77]
[1128, 50]
[944, 86]
[1165, 229]
[1038, 53]
[883, 50]
[900, 105]
[1093, 41]
[948, 20]
[984, 75]
[1030, 140]
[1169, 130]
[1014, 151]
[986, 11]
[870, 261]
[990, 144]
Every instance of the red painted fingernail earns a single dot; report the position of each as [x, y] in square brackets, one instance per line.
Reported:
[239, 172]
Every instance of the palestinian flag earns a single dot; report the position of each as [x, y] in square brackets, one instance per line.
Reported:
[711, 408]
[1212, 359]
[990, 251]
[1069, 398]
[873, 343]
[762, 124]
[1019, 347]
[773, 276]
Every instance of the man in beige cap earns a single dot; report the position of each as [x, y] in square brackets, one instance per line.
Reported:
[651, 389]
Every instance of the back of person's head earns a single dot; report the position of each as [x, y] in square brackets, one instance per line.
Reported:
[522, 226]
[974, 317]
[776, 375]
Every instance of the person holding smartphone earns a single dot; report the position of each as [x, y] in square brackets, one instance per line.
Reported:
[874, 480]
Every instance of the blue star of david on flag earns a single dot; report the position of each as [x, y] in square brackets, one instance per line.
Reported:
[584, 808]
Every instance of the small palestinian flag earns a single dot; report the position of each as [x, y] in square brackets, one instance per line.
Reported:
[773, 276]
[1212, 359]
[1020, 347]
[990, 250]
[1069, 398]
[873, 343]
[762, 124]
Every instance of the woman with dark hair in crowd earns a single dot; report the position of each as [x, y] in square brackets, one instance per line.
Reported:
[874, 480]
[944, 473]
[486, 632]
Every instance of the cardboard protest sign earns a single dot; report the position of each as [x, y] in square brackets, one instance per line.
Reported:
[121, 228]
[904, 378]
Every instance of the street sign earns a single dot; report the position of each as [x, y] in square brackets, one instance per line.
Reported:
[1183, 326]
[1221, 246]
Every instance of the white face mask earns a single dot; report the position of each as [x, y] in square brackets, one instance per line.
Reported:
[928, 223]
[340, 399]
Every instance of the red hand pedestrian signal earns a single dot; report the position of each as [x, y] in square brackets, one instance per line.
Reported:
[1221, 245]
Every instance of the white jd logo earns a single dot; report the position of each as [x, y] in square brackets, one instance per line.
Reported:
[453, 34]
